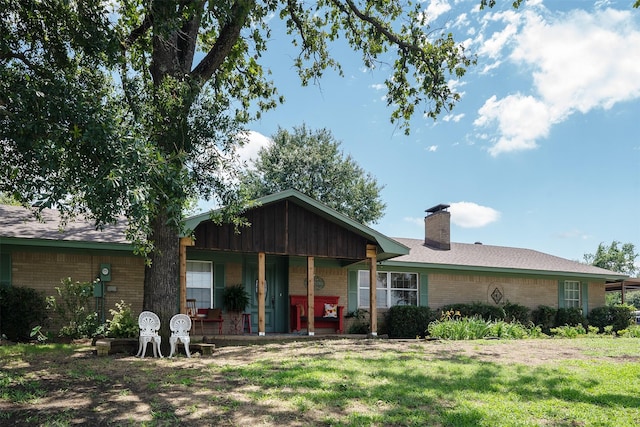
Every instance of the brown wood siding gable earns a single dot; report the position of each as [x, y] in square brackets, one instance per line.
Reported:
[283, 228]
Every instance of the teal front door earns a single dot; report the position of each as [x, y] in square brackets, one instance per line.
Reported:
[274, 299]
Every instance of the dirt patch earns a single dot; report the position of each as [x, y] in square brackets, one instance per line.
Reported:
[81, 388]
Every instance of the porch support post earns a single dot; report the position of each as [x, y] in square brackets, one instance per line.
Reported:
[373, 280]
[261, 279]
[184, 242]
[311, 327]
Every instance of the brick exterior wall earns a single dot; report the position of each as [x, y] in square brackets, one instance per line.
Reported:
[530, 292]
[452, 288]
[596, 295]
[335, 282]
[44, 271]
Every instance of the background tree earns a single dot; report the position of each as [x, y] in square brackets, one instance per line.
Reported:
[614, 258]
[312, 163]
[619, 259]
[132, 107]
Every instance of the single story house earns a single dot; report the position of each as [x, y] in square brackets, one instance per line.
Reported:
[293, 242]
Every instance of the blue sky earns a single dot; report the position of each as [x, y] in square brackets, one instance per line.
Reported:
[543, 150]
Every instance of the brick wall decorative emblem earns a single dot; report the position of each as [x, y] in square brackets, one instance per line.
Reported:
[497, 295]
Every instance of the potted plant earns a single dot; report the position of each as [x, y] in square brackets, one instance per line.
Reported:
[235, 298]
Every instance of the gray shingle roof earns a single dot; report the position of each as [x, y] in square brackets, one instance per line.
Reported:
[477, 256]
[18, 222]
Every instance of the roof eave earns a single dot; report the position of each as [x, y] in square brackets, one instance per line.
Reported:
[70, 244]
[498, 270]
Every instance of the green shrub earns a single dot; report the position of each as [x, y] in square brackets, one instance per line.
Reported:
[21, 309]
[569, 316]
[617, 316]
[545, 317]
[508, 330]
[459, 328]
[454, 327]
[569, 331]
[122, 324]
[478, 309]
[73, 307]
[516, 313]
[632, 331]
[408, 321]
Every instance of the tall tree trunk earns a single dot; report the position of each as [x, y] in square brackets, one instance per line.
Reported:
[161, 278]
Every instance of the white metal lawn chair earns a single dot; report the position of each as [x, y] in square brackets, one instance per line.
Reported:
[149, 324]
[180, 325]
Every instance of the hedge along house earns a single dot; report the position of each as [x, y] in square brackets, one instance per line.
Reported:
[297, 246]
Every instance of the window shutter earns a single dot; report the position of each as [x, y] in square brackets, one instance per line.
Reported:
[561, 302]
[352, 291]
[5, 269]
[423, 291]
[218, 285]
[584, 295]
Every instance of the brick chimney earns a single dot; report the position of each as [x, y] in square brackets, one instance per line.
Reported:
[437, 227]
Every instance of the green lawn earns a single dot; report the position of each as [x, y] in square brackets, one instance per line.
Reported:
[582, 382]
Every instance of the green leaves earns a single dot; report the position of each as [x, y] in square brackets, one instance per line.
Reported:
[312, 163]
[614, 258]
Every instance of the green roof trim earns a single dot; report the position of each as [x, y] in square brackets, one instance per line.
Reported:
[387, 247]
[500, 270]
[69, 244]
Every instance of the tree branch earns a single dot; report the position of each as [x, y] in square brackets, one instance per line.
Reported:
[138, 32]
[378, 26]
[19, 56]
[296, 19]
[227, 38]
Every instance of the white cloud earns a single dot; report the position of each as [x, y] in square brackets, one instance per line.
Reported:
[521, 120]
[472, 215]
[493, 46]
[432, 148]
[578, 61]
[462, 21]
[414, 220]
[435, 9]
[583, 62]
[378, 86]
[453, 117]
[455, 85]
[254, 142]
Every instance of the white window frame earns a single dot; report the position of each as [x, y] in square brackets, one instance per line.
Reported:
[572, 294]
[384, 289]
[207, 284]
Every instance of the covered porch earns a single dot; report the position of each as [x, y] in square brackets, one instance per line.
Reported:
[294, 246]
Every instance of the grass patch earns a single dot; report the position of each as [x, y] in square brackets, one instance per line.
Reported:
[577, 382]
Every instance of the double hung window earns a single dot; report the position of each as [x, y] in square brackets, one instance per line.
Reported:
[200, 283]
[572, 294]
[392, 288]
